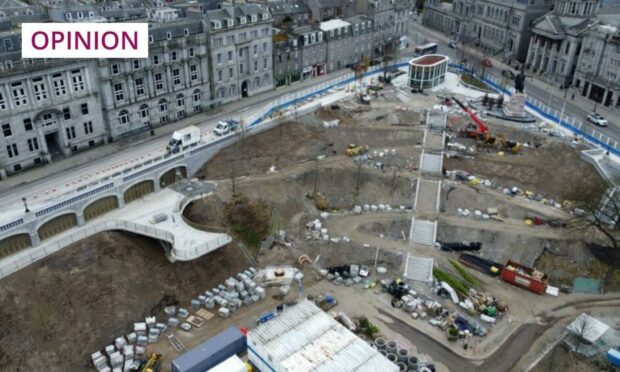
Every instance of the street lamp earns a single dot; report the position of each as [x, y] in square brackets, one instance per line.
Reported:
[25, 205]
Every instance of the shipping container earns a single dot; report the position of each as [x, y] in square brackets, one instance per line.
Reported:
[211, 352]
[525, 277]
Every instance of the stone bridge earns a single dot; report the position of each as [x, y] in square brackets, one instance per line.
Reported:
[88, 209]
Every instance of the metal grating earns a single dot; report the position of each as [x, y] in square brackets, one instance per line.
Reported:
[419, 268]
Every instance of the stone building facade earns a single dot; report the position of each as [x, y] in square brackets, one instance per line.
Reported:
[500, 28]
[348, 41]
[171, 84]
[597, 74]
[240, 48]
[557, 40]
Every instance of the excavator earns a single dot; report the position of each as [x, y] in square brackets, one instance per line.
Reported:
[479, 131]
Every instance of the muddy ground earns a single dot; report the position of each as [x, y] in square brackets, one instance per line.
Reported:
[501, 246]
[554, 170]
[56, 312]
[292, 143]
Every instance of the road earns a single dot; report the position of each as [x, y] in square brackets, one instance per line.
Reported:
[503, 359]
[43, 185]
[421, 35]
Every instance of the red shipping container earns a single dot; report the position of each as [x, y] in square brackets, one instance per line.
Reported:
[521, 276]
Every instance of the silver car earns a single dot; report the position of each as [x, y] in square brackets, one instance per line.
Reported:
[597, 119]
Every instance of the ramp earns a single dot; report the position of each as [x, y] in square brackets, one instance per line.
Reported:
[423, 232]
[427, 196]
[431, 163]
[419, 268]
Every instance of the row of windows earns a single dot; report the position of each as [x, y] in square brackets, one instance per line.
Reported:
[48, 119]
[239, 37]
[159, 82]
[218, 56]
[162, 105]
[40, 88]
[231, 70]
[156, 59]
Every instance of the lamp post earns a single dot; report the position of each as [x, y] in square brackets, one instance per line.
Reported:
[25, 205]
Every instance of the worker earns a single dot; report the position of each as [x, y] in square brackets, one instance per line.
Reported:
[572, 97]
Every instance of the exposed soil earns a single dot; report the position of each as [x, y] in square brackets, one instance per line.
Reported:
[501, 246]
[554, 170]
[568, 261]
[56, 312]
[560, 359]
[292, 143]
[393, 230]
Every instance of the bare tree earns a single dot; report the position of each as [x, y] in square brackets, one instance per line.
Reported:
[601, 218]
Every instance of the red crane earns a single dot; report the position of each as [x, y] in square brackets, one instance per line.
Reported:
[481, 130]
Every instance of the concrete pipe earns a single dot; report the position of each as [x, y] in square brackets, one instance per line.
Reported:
[380, 343]
[403, 354]
[392, 358]
[431, 367]
[412, 362]
[402, 366]
[391, 347]
[383, 352]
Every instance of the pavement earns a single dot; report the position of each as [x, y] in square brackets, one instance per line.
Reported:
[577, 107]
[44, 184]
[162, 134]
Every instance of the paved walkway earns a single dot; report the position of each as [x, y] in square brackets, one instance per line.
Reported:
[187, 243]
[584, 104]
[100, 152]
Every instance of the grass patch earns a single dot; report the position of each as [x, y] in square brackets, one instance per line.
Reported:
[453, 281]
[475, 82]
[465, 274]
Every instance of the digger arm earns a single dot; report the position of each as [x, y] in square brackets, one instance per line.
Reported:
[482, 128]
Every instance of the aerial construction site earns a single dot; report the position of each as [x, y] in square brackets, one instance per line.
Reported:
[444, 238]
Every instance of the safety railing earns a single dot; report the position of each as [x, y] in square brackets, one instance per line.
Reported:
[253, 117]
[19, 260]
[566, 121]
[206, 247]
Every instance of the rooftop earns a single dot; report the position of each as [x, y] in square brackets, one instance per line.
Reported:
[305, 338]
[429, 60]
[333, 24]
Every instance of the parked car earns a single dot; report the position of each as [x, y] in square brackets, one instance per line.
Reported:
[597, 119]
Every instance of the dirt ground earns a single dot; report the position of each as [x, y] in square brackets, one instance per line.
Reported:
[56, 312]
[501, 246]
[292, 143]
[562, 360]
[554, 170]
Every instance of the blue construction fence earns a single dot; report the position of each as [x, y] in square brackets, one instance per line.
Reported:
[322, 91]
[605, 145]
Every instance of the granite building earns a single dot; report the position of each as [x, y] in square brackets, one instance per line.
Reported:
[239, 43]
[171, 84]
[500, 28]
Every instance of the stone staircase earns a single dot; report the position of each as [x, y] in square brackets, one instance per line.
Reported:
[427, 195]
[423, 232]
[419, 268]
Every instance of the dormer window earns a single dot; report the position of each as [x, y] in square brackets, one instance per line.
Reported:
[91, 14]
[242, 20]
[186, 32]
[312, 38]
[265, 16]
[320, 37]
[229, 22]
[168, 35]
[80, 15]
[254, 18]
[217, 25]
[68, 16]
